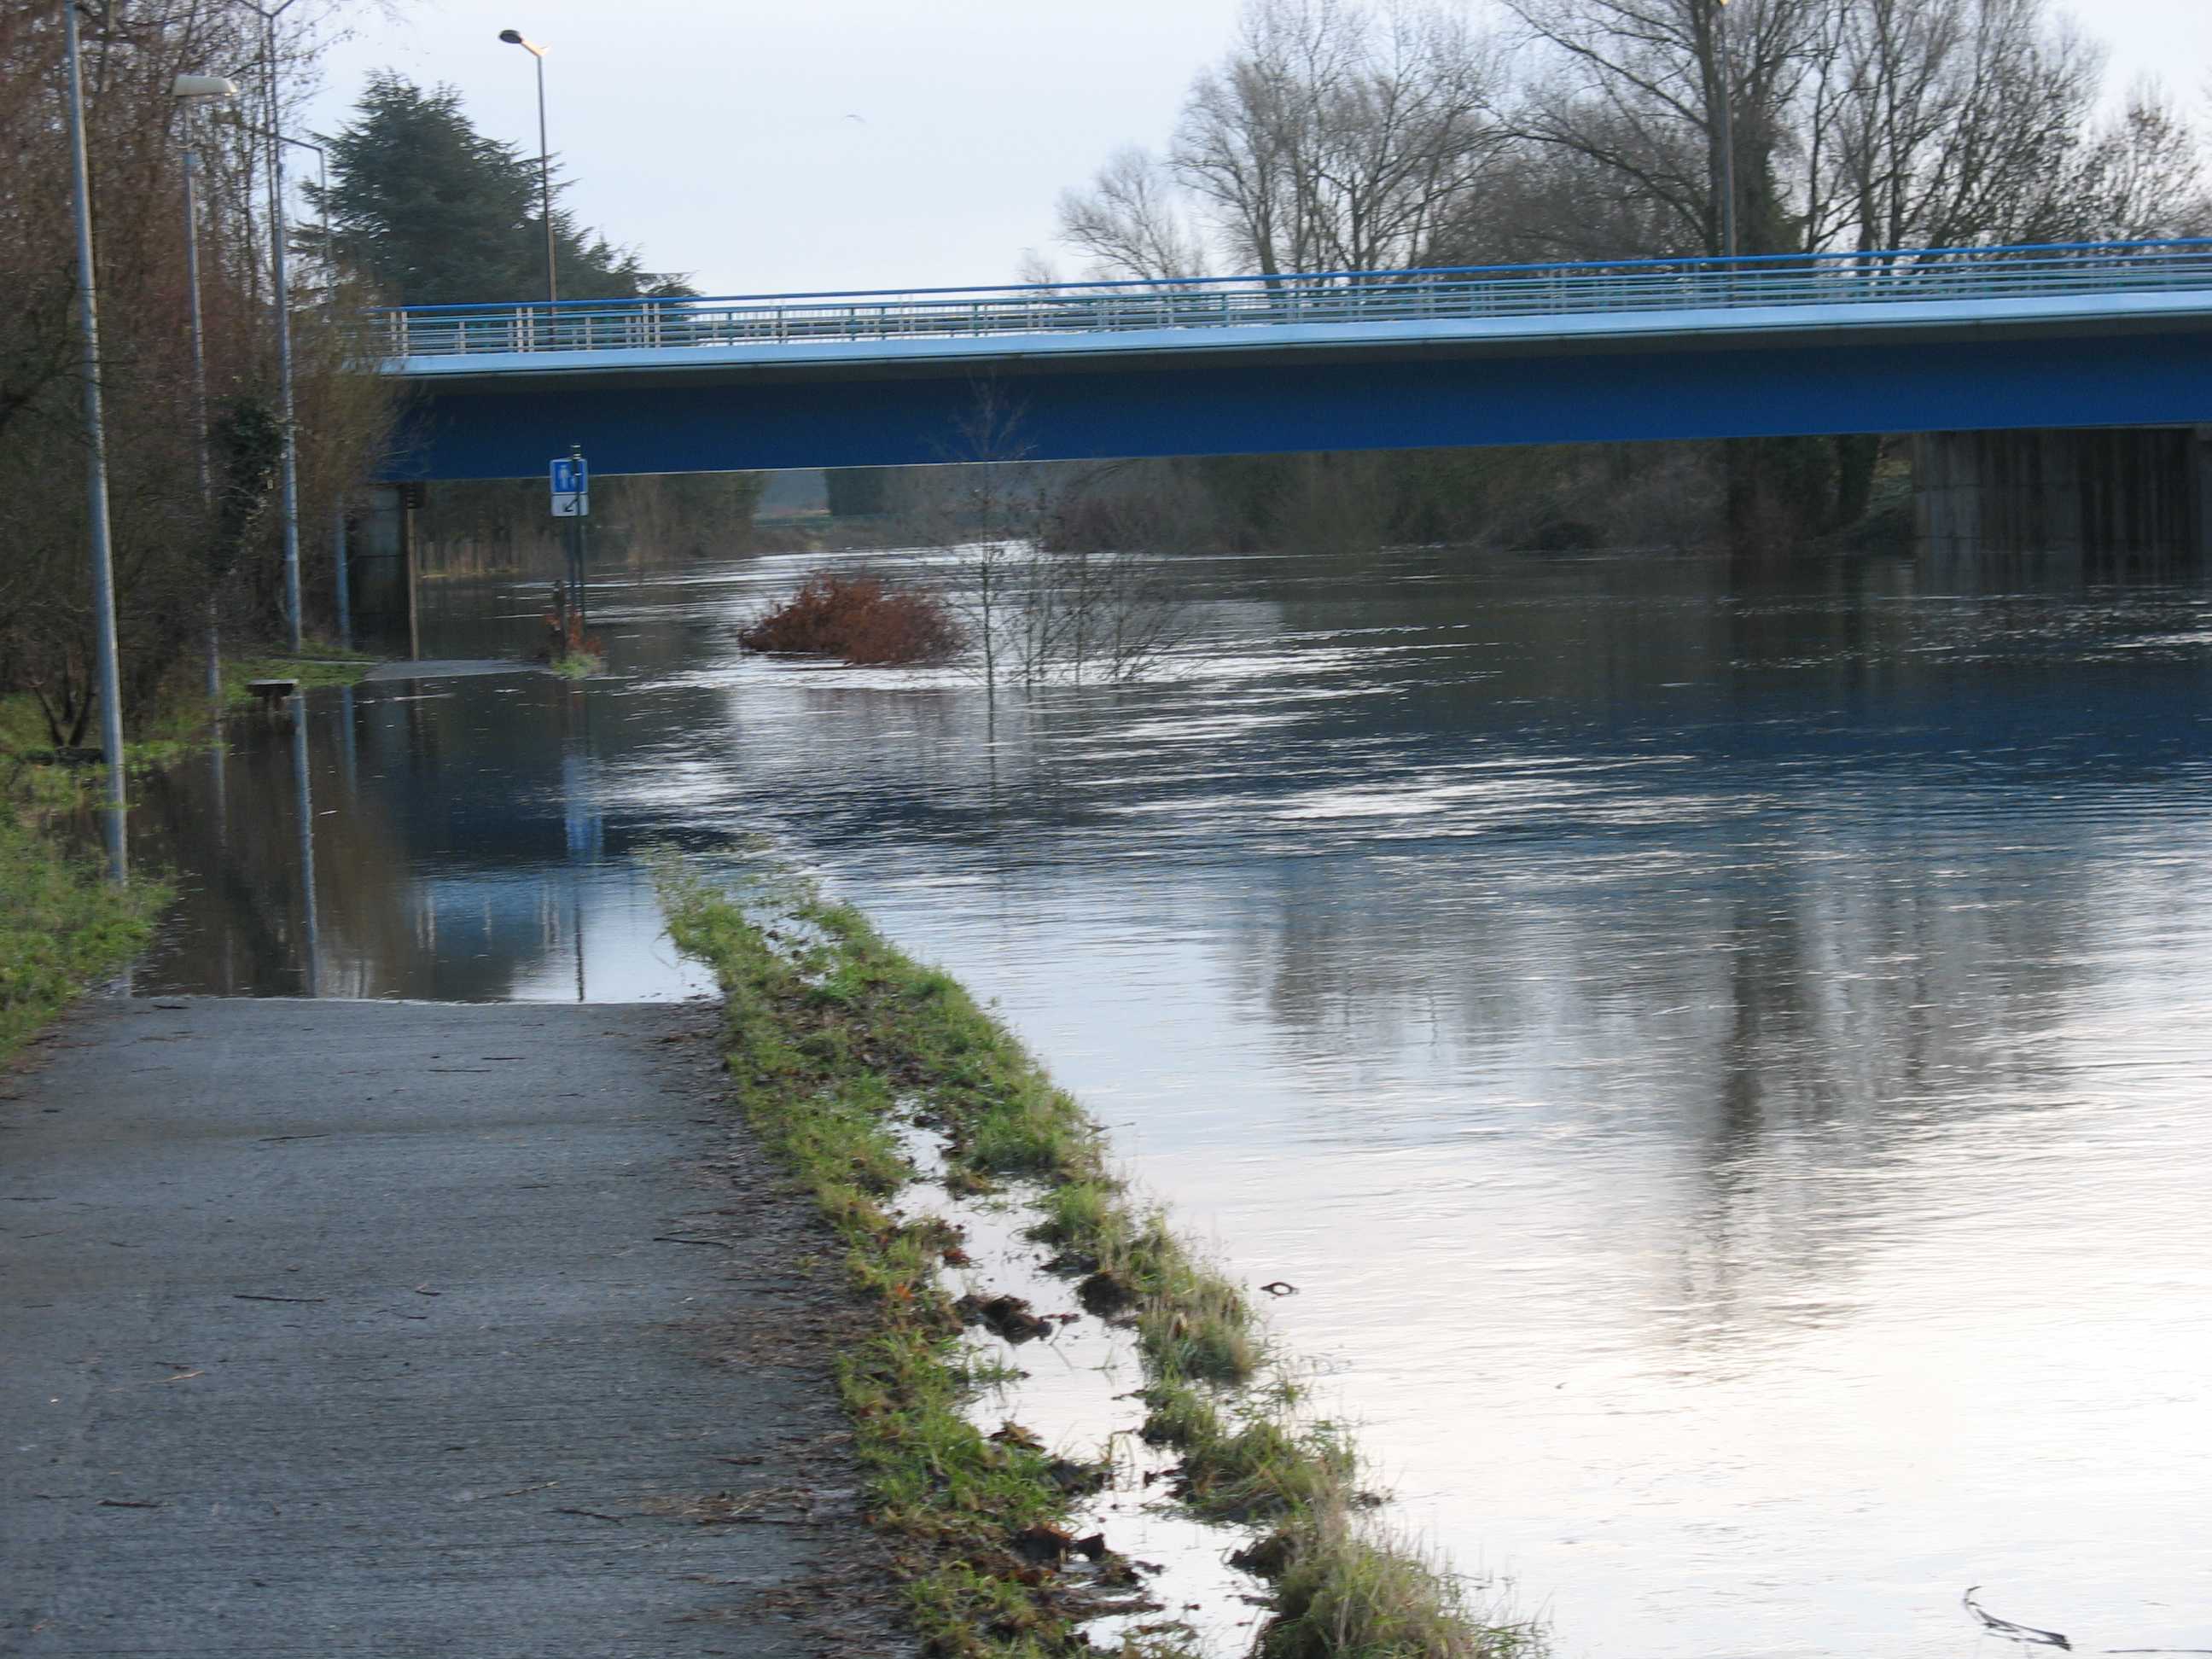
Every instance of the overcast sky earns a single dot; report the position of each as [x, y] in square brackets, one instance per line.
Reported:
[769, 146]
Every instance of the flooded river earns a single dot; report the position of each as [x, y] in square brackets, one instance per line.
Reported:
[1725, 1053]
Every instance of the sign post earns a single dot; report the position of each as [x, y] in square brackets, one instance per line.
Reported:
[572, 486]
[572, 501]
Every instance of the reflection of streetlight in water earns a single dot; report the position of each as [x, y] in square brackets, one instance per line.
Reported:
[584, 828]
[304, 804]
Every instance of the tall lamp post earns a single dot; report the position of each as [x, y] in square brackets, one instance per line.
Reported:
[344, 594]
[1727, 67]
[282, 298]
[109, 686]
[516, 38]
[193, 89]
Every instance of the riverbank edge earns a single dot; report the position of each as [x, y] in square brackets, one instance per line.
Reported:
[833, 1037]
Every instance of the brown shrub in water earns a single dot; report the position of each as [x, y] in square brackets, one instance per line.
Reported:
[855, 620]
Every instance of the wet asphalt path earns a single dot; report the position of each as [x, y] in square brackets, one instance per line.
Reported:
[349, 1328]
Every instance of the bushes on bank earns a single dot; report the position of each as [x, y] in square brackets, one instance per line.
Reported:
[857, 620]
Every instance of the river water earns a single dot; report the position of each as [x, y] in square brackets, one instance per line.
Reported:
[1722, 1051]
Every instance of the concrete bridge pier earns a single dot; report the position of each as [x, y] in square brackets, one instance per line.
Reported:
[2106, 502]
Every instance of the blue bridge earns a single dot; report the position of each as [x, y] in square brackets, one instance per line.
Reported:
[1965, 340]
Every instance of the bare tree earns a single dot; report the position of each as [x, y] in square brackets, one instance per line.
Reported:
[2141, 176]
[1645, 89]
[1859, 124]
[1129, 223]
[1337, 136]
[1955, 122]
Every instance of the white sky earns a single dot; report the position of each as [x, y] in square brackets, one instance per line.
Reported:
[713, 136]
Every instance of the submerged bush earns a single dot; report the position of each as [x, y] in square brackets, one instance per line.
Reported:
[854, 619]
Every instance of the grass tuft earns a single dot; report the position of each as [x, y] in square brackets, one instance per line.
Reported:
[1342, 1590]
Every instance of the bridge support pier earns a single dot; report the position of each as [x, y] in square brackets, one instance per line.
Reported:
[2104, 500]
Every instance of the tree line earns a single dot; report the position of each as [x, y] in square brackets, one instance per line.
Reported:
[192, 492]
[421, 208]
[1340, 135]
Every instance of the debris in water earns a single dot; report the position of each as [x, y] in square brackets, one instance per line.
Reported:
[1048, 1545]
[1007, 1317]
[1077, 1478]
[2027, 1635]
[1266, 1559]
[1105, 1296]
[1279, 1287]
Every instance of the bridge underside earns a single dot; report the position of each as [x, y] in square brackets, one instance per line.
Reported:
[678, 418]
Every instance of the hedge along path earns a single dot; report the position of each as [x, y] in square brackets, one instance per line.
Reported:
[834, 1037]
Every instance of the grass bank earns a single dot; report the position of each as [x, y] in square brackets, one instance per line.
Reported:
[323, 666]
[833, 1038]
[181, 725]
[63, 926]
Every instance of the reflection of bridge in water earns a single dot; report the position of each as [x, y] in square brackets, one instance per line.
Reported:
[1973, 340]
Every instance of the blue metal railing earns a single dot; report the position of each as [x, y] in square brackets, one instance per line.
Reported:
[1465, 293]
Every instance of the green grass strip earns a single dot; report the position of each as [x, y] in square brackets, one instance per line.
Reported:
[63, 924]
[832, 1030]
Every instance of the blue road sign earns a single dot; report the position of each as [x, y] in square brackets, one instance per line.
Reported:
[572, 487]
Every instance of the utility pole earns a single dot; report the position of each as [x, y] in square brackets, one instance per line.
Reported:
[580, 551]
[200, 409]
[1726, 67]
[109, 686]
[196, 90]
[283, 300]
[516, 38]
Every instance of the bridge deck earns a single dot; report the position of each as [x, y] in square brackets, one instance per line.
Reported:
[1712, 326]
[1512, 306]
[2114, 335]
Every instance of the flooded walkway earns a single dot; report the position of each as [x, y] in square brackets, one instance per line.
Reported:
[344, 1328]
[1762, 1009]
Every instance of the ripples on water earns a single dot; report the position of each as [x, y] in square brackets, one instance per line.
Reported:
[1724, 1053]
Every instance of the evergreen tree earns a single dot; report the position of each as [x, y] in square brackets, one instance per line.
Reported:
[434, 212]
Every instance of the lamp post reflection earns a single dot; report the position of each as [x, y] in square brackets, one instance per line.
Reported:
[583, 825]
[349, 744]
[304, 804]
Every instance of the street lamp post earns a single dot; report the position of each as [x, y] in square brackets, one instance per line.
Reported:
[282, 298]
[516, 38]
[343, 581]
[109, 685]
[194, 89]
[1726, 65]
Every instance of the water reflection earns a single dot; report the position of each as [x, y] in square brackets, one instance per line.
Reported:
[434, 842]
[1721, 1049]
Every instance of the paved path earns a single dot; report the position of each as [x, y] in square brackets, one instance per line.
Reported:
[450, 668]
[355, 1329]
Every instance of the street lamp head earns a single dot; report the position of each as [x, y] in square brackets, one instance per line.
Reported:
[202, 86]
[516, 38]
